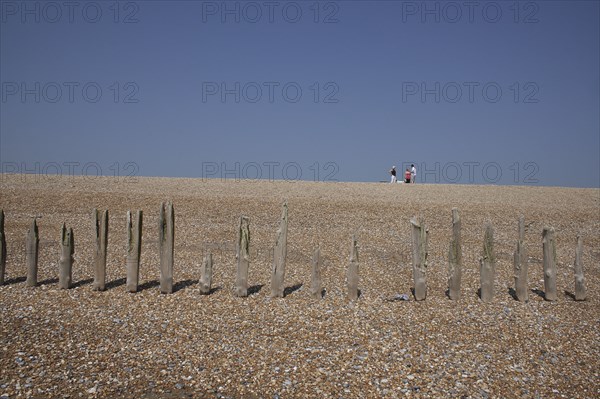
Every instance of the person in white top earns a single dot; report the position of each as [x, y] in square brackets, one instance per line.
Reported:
[413, 173]
[393, 173]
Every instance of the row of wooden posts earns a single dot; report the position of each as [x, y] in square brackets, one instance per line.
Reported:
[420, 238]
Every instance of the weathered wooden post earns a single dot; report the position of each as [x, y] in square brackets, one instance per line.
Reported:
[520, 260]
[455, 258]
[2, 248]
[487, 265]
[243, 257]
[353, 271]
[279, 255]
[420, 239]
[101, 237]
[166, 243]
[31, 254]
[65, 265]
[134, 249]
[315, 285]
[206, 274]
[580, 293]
[549, 248]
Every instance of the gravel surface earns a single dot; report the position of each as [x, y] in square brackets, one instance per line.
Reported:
[81, 343]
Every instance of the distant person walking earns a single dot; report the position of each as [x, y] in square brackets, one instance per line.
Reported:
[413, 173]
[407, 176]
[393, 173]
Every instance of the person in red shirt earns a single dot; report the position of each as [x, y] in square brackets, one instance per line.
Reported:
[407, 176]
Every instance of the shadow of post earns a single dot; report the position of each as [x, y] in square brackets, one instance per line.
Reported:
[183, 284]
[539, 293]
[52, 280]
[255, 289]
[15, 280]
[148, 285]
[81, 283]
[116, 283]
[215, 289]
[570, 295]
[288, 290]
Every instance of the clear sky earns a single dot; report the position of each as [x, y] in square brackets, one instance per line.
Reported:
[498, 92]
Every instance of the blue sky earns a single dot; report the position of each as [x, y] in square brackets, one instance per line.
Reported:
[487, 92]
